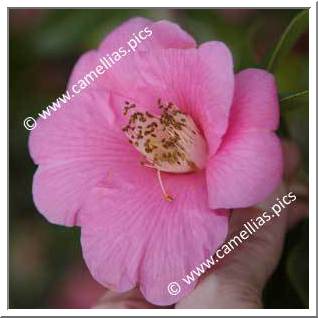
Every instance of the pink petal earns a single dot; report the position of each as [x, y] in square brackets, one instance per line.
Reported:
[248, 165]
[131, 235]
[122, 75]
[84, 120]
[77, 148]
[200, 82]
[255, 103]
[246, 169]
[165, 34]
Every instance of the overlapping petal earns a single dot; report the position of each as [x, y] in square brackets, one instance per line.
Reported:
[199, 81]
[121, 76]
[248, 165]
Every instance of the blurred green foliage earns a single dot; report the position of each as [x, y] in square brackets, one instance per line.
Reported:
[45, 44]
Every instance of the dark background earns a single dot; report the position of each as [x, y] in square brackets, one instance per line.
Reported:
[46, 267]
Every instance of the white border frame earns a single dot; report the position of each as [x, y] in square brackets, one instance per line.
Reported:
[5, 4]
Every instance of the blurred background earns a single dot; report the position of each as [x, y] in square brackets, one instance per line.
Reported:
[46, 267]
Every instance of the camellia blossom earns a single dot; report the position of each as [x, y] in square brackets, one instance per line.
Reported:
[149, 159]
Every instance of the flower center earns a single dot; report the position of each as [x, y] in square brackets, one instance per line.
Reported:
[170, 142]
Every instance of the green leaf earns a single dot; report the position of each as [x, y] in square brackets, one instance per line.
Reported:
[294, 30]
[291, 97]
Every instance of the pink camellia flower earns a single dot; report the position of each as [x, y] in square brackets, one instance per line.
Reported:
[150, 157]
